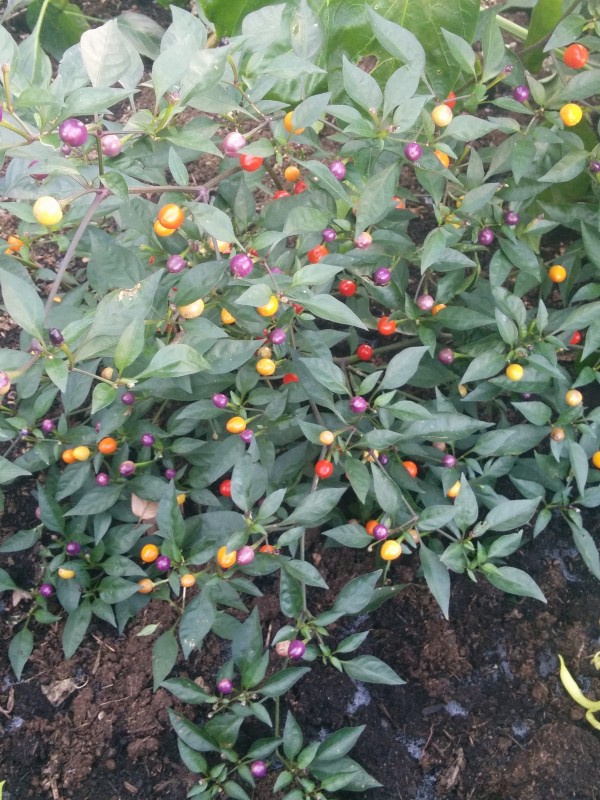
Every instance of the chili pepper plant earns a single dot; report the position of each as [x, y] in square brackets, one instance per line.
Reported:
[206, 369]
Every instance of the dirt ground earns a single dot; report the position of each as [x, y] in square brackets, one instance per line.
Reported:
[483, 715]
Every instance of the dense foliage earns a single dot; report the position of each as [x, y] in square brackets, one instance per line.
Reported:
[232, 332]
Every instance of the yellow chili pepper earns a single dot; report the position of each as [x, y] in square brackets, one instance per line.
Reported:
[575, 692]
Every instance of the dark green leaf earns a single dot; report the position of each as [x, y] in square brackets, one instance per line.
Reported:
[513, 581]
[247, 645]
[19, 650]
[339, 743]
[371, 670]
[76, 627]
[281, 681]
[164, 656]
[402, 367]
[196, 622]
[304, 572]
[23, 304]
[437, 577]
[191, 734]
[292, 737]
[316, 506]
[187, 691]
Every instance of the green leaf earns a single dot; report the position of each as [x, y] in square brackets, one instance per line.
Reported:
[6, 582]
[579, 465]
[354, 596]
[387, 492]
[114, 313]
[402, 367]
[326, 180]
[76, 627]
[22, 540]
[361, 87]
[351, 643]
[545, 16]
[235, 791]
[23, 304]
[339, 743]
[316, 506]
[99, 499]
[461, 51]
[19, 650]
[535, 411]
[435, 517]
[327, 307]
[569, 167]
[281, 681]
[193, 760]
[371, 670]
[213, 221]
[475, 199]
[187, 691]
[175, 361]
[290, 594]
[103, 395]
[359, 477]
[513, 581]
[350, 535]
[10, 471]
[327, 374]
[228, 355]
[304, 572]
[510, 441]
[510, 514]
[115, 590]
[191, 734]
[466, 509]
[587, 548]
[177, 168]
[116, 184]
[374, 203]
[164, 656]
[505, 545]
[247, 645]
[494, 53]
[437, 577]
[143, 33]
[305, 219]
[196, 621]
[109, 57]
[130, 344]
[292, 737]
[58, 372]
[63, 24]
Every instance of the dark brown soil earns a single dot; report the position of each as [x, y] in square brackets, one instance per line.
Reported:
[483, 715]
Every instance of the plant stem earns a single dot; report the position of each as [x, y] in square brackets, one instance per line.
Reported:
[518, 31]
[187, 189]
[68, 256]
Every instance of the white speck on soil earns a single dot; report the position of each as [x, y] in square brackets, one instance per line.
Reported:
[414, 747]
[520, 730]
[15, 724]
[426, 790]
[362, 697]
[455, 709]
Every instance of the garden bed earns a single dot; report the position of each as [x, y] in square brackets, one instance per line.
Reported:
[483, 715]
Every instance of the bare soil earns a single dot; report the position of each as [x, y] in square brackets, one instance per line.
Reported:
[483, 715]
